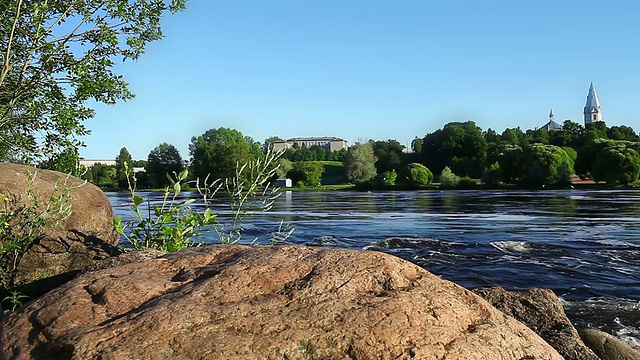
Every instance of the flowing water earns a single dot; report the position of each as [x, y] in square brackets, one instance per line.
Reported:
[584, 245]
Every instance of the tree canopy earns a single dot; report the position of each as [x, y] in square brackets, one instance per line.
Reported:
[162, 160]
[360, 162]
[56, 56]
[459, 145]
[218, 152]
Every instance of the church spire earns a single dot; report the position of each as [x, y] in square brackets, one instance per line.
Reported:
[551, 117]
[592, 110]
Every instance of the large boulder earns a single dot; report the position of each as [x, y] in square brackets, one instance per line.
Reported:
[85, 236]
[607, 346]
[265, 302]
[542, 312]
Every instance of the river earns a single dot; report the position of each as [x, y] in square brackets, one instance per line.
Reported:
[584, 245]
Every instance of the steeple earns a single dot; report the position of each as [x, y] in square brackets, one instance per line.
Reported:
[551, 117]
[592, 110]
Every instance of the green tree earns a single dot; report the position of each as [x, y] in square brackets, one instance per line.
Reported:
[217, 152]
[575, 132]
[546, 164]
[492, 175]
[459, 145]
[57, 56]
[586, 156]
[622, 132]
[594, 130]
[510, 162]
[360, 162]
[514, 136]
[538, 136]
[162, 160]
[416, 145]
[415, 175]
[101, 175]
[284, 166]
[121, 175]
[307, 172]
[388, 155]
[616, 163]
[66, 161]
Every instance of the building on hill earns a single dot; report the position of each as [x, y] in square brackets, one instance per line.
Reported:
[552, 125]
[592, 109]
[327, 143]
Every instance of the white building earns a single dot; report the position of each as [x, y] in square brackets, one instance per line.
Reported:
[327, 143]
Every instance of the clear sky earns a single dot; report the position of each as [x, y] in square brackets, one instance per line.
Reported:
[372, 69]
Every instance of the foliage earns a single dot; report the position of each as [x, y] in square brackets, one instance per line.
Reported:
[163, 159]
[170, 226]
[360, 163]
[283, 167]
[57, 56]
[586, 156]
[448, 179]
[15, 300]
[123, 158]
[492, 175]
[622, 133]
[459, 145]
[538, 136]
[616, 163]
[416, 145]
[22, 226]
[389, 178]
[467, 183]
[175, 223]
[546, 164]
[250, 193]
[387, 154]
[66, 161]
[415, 175]
[101, 175]
[308, 172]
[218, 152]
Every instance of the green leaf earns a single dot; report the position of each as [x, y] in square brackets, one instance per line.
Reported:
[137, 200]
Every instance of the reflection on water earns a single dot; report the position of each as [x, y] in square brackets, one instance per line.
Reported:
[585, 245]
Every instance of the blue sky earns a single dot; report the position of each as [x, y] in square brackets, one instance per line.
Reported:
[372, 70]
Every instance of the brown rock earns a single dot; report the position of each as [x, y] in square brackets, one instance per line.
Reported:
[608, 347]
[86, 235]
[263, 302]
[542, 312]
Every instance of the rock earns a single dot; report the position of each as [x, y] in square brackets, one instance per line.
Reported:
[542, 312]
[85, 236]
[608, 347]
[265, 302]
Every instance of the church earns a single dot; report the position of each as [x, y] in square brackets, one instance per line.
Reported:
[592, 111]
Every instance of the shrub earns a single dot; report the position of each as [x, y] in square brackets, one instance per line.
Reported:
[467, 183]
[492, 175]
[174, 225]
[448, 179]
[416, 175]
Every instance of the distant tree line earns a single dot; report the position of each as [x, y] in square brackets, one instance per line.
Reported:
[461, 154]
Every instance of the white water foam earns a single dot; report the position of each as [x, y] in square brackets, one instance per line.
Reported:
[513, 246]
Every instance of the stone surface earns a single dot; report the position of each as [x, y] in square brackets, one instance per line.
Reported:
[542, 312]
[607, 346]
[86, 235]
[265, 302]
